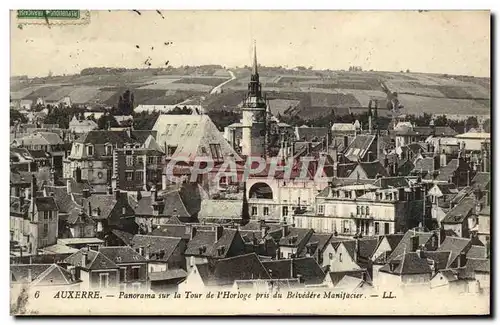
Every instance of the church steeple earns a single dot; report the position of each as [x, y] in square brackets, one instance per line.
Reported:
[254, 69]
[254, 87]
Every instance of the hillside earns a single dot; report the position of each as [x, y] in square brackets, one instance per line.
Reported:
[306, 93]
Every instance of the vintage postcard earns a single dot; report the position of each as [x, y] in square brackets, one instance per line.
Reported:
[250, 162]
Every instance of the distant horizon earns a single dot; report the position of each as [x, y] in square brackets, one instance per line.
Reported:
[449, 42]
[249, 67]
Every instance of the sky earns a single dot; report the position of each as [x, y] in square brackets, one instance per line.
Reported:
[453, 42]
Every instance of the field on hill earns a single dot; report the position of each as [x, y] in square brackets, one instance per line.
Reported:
[307, 93]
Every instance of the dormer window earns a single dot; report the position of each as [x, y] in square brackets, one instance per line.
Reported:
[90, 150]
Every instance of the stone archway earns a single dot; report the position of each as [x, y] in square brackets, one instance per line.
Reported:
[260, 191]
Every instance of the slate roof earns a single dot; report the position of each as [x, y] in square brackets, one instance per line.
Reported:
[448, 188]
[54, 275]
[393, 240]
[372, 169]
[20, 272]
[171, 231]
[307, 267]
[440, 258]
[121, 254]
[337, 276]
[226, 271]
[105, 136]
[221, 209]
[457, 274]
[405, 242]
[171, 201]
[350, 283]
[460, 212]
[311, 133]
[447, 171]
[15, 206]
[359, 146]
[95, 260]
[46, 203]
[366, 247]
[296, 237]
[406, 264]
[425, 164]
[481, 265]
[321, 240]
[168, 275]
[481, 181]
[123, 235]
[395, 182]
[204, 243]
[477, 252]
[455, 245]
[161, 245]
[106, 204]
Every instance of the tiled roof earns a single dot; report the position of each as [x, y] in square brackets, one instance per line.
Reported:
[226, 271]
[171, 230]
[446, 189]
[367, 247]
[394, 239]
[55, 275]
[121, 254]
[395, 182]
[306, 267]
[105, 136]
[63, 200]
[477, 252]
[479, 265]
[46, 203]
[372, 169]
[321, 239]
[405, 242]
[202, 241]
[460, 212]
[447, 171]
[296, 237]
[167, 275]
[481, 181]
[221, 209]
[160, 245]
[409, 263]
[311, 133]
[106, 204]
[440, 258]
[359, 146]
[21, 272]
[94, 261]
[337, 276]
[455, 245]
[123, 235]
[424, 164]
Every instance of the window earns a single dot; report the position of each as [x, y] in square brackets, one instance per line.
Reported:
[254, 211]
[340, 257]
[90, 150]
[123, 274]
[216, 151]
[129, 176]
[321, 209]
[345, 226]
[45, 230]
[386, 228]
[266, 211]
[135, 273]
[367, 211]
[109, 149]
[285, 211]
[358, 209]
[151, 160]
[377, 228]
[103, 280]
[129, 160]
[140, 161]
[139, 176]
[330, 256]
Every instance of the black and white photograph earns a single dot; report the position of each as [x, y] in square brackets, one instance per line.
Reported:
[195, 162]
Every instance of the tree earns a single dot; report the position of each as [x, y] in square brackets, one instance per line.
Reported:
[107, 121]
[471, 122]
[126, 103]
[17, 117]
[145, 120]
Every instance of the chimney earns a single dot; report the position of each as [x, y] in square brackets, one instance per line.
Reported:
[462, 259]
[164, 181]
[219, 230]
[346, 141]
[90, 209]
[369, 156]
[85, 253]
[193, 232]
[442, 159]
[420, 251]
[86, 193]
[68, 186]
[117, 194]
[110, 190]
[309, 147]
[52, 177]
[284, 230]
[78, 175]
[154, 194]
[414, 243]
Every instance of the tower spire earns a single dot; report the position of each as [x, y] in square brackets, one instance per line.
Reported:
[254, 70]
